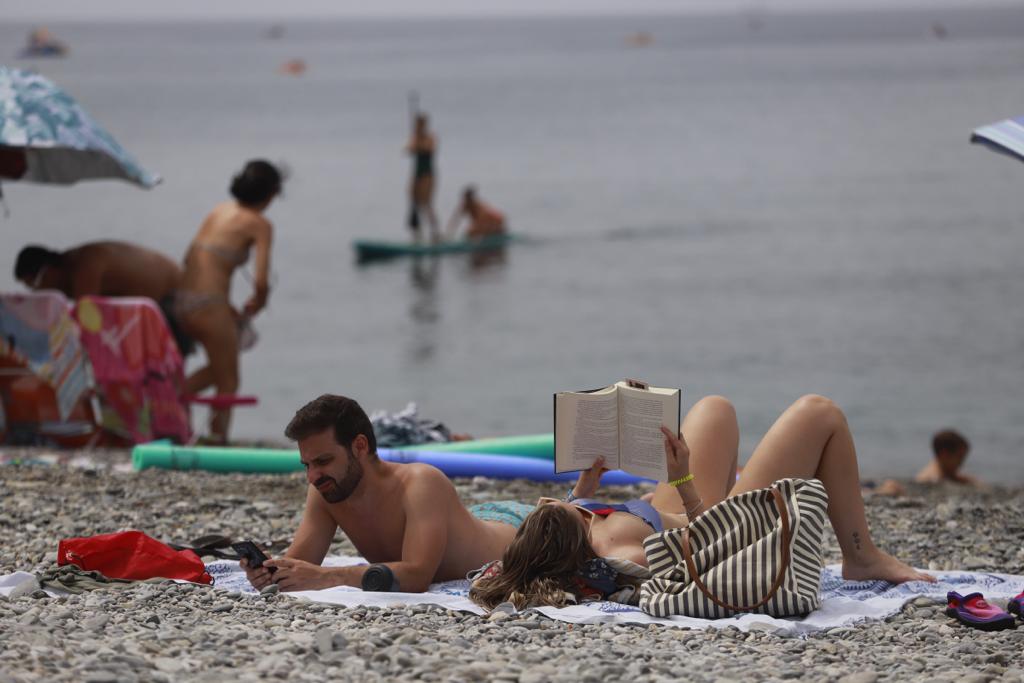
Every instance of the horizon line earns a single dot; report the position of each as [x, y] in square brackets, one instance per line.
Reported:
[698, 9]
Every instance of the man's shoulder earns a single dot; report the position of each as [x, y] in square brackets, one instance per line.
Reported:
[929, 474]
[421, 480]
[422, 473]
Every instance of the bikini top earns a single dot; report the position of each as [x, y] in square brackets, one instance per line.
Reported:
[231, 257]
[638, 508]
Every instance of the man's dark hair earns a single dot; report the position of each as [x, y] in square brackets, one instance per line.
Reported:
[342, 414]
[949, 441]
[32, 259]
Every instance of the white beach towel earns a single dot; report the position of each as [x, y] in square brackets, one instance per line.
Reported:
[843, 603]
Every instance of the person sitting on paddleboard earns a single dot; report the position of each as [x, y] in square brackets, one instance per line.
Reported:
[484, 220]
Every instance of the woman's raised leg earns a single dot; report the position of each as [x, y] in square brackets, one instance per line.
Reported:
[199, 381]
[713, 436]
[812, 440]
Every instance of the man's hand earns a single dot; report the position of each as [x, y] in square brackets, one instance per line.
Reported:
[590, 479]
[677, 454]
[259, 577]
[299, 575]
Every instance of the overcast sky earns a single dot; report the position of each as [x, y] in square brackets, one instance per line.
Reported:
[151, 9]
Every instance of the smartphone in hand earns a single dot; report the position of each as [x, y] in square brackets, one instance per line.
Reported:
[252, 554]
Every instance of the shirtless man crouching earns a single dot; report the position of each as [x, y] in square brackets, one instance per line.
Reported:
[405, 516]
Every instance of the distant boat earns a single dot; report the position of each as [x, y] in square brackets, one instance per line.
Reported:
[375, 250]
[42, 44]
[275, 32]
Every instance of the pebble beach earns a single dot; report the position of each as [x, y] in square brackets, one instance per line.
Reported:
[171, 632]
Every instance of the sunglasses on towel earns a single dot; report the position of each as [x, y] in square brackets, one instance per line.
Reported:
[584, 513]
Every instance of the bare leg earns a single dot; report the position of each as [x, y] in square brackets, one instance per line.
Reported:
[224, 361]
[711, 432]
[435, 229]
[812, 440]
[199, 381]
[215, 328]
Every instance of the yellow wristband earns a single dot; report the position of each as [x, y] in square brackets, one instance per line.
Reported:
[681, 480]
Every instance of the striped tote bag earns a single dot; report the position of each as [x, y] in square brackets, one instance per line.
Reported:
[759, 552]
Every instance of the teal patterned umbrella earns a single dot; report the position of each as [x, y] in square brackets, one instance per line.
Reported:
[59, 141]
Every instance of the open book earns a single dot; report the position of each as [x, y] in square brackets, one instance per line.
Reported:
[621, 422]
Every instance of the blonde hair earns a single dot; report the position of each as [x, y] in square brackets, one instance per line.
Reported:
[540, 565]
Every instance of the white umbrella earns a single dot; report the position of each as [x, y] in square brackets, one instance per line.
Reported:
[1005, 137]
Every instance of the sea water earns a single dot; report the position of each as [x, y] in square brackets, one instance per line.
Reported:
[755, 205]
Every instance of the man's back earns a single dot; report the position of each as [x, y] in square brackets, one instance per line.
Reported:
[119, 269]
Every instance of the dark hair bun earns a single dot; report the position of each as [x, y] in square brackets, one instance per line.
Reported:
[258, 182]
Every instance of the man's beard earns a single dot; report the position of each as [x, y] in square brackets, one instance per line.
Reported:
[340, 490]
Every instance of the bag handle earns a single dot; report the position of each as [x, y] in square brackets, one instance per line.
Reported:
[786, 540]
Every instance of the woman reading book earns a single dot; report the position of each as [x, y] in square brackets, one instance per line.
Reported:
[811, 439]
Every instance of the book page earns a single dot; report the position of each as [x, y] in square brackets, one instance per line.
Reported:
[641, 415]
[586, 427]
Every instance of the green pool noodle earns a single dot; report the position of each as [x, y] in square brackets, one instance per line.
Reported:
[214, 459]
[529, 446]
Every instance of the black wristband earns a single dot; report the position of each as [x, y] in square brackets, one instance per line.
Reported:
[379, 577]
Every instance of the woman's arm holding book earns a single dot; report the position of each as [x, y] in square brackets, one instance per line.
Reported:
[589, 481]
[677, 457]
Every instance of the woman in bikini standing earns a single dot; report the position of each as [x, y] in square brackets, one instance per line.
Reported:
[811, 439]
[203, 302]
[422, 146]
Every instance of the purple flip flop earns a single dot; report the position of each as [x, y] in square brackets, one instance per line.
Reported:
[972, 610]
[1016, 605]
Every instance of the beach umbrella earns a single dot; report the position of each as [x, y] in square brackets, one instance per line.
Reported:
[46, 137]
[1005, 137]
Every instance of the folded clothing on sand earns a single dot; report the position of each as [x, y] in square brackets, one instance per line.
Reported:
[407, 427]
[131, 555]
[74, 580]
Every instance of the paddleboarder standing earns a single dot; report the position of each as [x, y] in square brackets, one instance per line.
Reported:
[421, 147]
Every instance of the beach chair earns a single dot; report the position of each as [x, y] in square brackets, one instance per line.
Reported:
[46, 388]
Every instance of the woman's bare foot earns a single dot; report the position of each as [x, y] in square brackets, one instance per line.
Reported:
[884, 567]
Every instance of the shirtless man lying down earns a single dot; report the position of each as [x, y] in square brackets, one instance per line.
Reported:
[405, 516]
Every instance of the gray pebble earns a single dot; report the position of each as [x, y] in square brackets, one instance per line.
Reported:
[860, 677]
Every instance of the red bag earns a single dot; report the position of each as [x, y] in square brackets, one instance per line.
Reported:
[132, 555]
